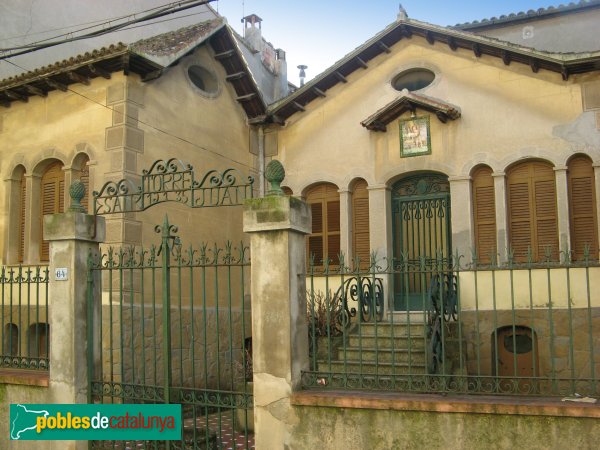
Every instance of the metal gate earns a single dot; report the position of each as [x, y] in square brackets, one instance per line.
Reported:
[422, 237]
[174, 326]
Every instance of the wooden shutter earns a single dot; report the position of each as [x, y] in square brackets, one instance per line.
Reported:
[324, 242]
[84, 177]
[360, 224]
[52, 201]
[22, 206]
[484, 214]
[582, 207]
[532, 210]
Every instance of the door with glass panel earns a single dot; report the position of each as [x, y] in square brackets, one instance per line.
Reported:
[421, 236]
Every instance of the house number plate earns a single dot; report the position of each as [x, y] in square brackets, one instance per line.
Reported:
[61, 274]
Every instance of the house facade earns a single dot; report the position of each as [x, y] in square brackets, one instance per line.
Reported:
[431, 147]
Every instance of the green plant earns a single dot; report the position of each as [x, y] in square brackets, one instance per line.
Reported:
[323, 314]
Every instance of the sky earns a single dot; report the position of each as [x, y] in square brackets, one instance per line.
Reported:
[316, 33]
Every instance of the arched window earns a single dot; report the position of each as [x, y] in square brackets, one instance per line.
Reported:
[10, 340]
[360, 223]
[484, 214]
[52, 201]
[324, 242]
[84, 177]
[22, 206]
[582, 207]
[38, 340]
[531, 192]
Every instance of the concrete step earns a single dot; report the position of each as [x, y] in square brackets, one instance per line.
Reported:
[381, 368]
[387, 329]
[398, 342]
[369, 355]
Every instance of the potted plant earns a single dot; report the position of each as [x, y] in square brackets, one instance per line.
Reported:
[324, 324]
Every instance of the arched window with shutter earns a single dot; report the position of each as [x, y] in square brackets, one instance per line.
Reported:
[84, 177]
[484, 214]
[531, 193]
[52, 201]
[22, 206]
[582, 207]
[360, 223]
[324, 242]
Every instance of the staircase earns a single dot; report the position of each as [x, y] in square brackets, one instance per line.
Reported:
[384, 350]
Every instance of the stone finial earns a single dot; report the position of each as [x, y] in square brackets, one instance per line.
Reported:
[275, 173]
[77, 192]
[402, 15]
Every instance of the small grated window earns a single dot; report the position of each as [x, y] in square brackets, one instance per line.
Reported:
[413, 79]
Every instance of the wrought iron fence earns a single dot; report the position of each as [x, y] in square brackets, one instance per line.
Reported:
[175, 328]
[508, 329]
[25, 328]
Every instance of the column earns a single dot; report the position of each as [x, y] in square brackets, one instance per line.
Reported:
[562, 202]
[277, 226]
[381, 239]
[72, 236]
[501, 216]
[461, 215]
[346, 225]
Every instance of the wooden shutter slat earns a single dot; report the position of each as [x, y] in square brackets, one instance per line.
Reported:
[533, 214]
[325, 238]
[582, 207]
[22, 206]
[53, 201]
[484, 212]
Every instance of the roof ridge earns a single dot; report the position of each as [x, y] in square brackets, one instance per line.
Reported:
[531, 13]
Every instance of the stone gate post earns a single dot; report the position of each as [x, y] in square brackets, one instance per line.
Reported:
[72, 235]
[277, 225]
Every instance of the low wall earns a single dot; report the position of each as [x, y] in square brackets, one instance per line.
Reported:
[380, 423]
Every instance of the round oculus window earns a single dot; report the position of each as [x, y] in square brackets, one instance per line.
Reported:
[413, 79]
[203, 79]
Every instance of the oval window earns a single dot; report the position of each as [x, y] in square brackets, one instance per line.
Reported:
[203, 79]
[413, 79]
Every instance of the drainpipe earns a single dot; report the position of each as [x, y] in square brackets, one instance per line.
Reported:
[261, 160]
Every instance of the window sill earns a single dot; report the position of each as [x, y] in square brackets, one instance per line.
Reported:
[527, 406]
[25, 377]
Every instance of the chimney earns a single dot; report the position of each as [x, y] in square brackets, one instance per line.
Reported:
[302, 75]
[253, 32]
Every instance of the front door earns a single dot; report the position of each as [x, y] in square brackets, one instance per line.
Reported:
[421, 230]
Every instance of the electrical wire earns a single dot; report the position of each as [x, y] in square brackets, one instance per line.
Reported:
[252, 169]
[163, 12]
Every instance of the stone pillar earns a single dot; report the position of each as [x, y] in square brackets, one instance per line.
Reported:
[277, 226]
[461, 218]
[346, 225]
[72, 236]
[501, 216]
[380, 234]
[562, 202]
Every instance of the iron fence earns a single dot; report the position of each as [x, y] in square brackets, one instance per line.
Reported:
[25, 328]
[502, 329]
[175, 328]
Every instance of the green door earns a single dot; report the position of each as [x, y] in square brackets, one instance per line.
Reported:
[421, 233]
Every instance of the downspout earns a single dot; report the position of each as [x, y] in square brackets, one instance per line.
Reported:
[261, 160]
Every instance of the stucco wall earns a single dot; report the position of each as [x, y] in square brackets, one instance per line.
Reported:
[338, 428]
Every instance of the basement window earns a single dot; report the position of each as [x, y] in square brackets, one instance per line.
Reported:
[203, 79]
[413, 79]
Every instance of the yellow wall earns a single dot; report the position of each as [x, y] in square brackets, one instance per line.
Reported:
[507, 113]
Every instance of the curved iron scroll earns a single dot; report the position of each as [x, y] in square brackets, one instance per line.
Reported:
[174, 181]
[367, 293]
[443, 301]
